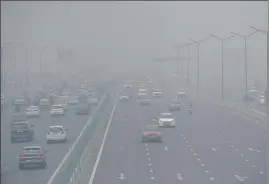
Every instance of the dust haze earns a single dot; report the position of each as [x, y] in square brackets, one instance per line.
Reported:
[122, 38]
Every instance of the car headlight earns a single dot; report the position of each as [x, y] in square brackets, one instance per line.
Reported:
[160, 123]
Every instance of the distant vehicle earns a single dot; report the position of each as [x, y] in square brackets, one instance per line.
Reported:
[63, 101]
[3, 102]
[57, 110]
[166, 120]
[156, 93]
[144, 100]
[21, 130]
[44, 104]
[263, 98]
[181, 93]
[175, 105]
[83, 108]
[128, 86]
[141, 95]
[73, 100]
[19, 100]
[93, 100]
[142, 90]
[32, 156]
[66, 92]
[18, 116]
[124, 96]
[190, 110]
[151, 133]
[253, 89]
[52, 93]
[32, 111]
[56, 133]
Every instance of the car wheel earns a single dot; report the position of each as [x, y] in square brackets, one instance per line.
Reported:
[21, 166]
[44, 165]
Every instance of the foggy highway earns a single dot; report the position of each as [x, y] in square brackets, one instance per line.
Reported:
[211, 145]
[55, 152]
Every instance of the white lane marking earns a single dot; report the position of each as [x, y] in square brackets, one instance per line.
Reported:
[212, 178]
[247, 160]
[202, 165]
[236, 150]
[254, 166]
[151, 170]
[186, 141]
[261, 172]
[207, 171]
[122, 177]
[73, 146]
[165, 148]
[251, 149]
[148, 154]
[198, 159]
[103, 142]
[214, 149]
[152, 177]
[181, 134]
[179, 176]
[232, 146]
[150, 165]
[191, 149]
[195, 154]
[241, 178]
[241, 155]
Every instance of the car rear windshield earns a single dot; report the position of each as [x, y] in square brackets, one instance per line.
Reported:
[166, 116]
[55, 129]
[151, 128]
[20, 125]
[31, 150]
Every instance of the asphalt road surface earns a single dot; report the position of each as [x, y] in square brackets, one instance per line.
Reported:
[10, 151]
[213, 145]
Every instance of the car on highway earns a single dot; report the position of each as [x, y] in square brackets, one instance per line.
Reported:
[32, 156]
[151, 133]
[253, 89]
[181, 93]
[44, 104]
[32, 111]
[52, 93]
[19, 100]
[141, 94]
[66, 92]
[157, 93]
[93, 100]
[73, 100]
[128, 86]
[123, 96]
[166, 120]
[83, 108]
[263, 98]
[144, 100]
[56, 133]
[21, 131]
[175, 105]
[3, 102]
[57, 110]
[63, 101]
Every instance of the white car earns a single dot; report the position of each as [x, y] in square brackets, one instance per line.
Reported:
[19, 100]
[56, 133]
[57, 110]
[64, 101]
[166, 120]
[157, 93]
[32, 111]
[253, 89]
[140, 95]
[123, 97]
[142, 90]
[93, 100]
[73, 100]
[181, 93]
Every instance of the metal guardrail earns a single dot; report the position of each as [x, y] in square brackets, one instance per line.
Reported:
[70, 170]
[254, 114]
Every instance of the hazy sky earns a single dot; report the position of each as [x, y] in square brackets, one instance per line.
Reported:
[125, 32]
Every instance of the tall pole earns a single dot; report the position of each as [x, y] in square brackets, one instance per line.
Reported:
[198, 68]
[188, 75]
[178, 61]
[40, 63]
[222, 79]
[246, 70]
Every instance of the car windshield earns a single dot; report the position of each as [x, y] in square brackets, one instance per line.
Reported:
[151, 128]
[31, 150]
[57, 106]
[31, 108]
[166, 115]
[19, 125]
[55, 129]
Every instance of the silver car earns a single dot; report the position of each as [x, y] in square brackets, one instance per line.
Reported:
[32, 156]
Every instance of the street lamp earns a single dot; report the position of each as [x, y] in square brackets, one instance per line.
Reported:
[198, 69]
[260, 30]
[222, 78]
[176, 46]
[246, 63]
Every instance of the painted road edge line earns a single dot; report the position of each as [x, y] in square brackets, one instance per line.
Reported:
[103, 142]
[74, 144]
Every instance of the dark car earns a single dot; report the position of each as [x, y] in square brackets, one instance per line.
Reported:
[21, 130]
[83, 108]
[175, 105]
[32, 156]
[151, 133]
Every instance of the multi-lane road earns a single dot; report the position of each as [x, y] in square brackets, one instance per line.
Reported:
[213, 145]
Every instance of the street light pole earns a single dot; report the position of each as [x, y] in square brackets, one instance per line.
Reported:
[188, 75]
